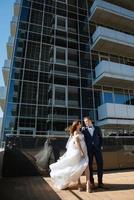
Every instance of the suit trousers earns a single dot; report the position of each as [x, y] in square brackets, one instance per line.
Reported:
[99, 162]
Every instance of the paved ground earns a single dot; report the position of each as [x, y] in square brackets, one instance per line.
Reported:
[120, 186]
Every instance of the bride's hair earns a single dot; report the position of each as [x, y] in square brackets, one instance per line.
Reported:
[73, 127]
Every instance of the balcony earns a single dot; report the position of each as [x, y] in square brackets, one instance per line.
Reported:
[10, 45]
[13, 25]
[114, 74]
[5, 71]
[2, 97]
[17, 7]
[113, 42]
[129, 4]
[111, 15]
[112, 115]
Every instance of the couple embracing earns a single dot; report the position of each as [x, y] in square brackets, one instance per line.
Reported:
[83, 145]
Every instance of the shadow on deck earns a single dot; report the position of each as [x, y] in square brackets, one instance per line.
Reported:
[26, 188]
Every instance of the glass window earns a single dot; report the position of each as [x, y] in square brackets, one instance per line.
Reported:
[126, 96]
[72, 2]
[95, 60]
[82, 4]
[62, 1]
[10, 123]
[60, 55]
[27, 110]
[12, 109]
[87, 98]
[29, 92]
[61, 23]
[16, 73]
[73, 57]
[98, 98]
[72, 26]
[60, 95]
[59, 126]
[44, 94]
[108, 97]
[119, 96]
[114, 59]
[47, 53]
[73, 97]
[43, 111]
[33, 50]
[132, 97]
[18, 63]
[37, 6]
[30, 75]
[42, 125]
[86, 112]
[25, 14]
[36, 17]
[26, 122]
[101, 57]
[14, 91]
[74, 114]
[26, 3]
[60, 79]
[31, 64]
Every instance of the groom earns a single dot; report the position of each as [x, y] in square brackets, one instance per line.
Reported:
[93, 139]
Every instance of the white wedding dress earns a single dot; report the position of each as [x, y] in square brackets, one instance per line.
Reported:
[71, 165]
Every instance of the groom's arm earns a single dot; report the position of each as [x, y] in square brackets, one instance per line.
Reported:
[100, 137]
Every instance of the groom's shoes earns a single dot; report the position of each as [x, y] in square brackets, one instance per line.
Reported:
[92, 185]
[101, 185]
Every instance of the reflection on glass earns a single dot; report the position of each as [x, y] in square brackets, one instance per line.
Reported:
[119, 98]
[108, 97]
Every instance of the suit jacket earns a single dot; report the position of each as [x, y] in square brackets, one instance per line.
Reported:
[93, 141]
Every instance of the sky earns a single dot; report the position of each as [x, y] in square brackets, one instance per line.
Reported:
[6, 13]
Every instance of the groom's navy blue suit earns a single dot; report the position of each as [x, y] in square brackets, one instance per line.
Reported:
[94, 144]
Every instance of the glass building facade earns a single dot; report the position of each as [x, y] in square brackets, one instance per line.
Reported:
[53, 78]
[50, 81]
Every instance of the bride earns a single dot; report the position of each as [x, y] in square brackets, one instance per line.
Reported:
[73, 163]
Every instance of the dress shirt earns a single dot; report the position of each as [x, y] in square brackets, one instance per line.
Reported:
[91, 130]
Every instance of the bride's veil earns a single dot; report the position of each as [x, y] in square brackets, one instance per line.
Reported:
[43, 157]
[69, 139]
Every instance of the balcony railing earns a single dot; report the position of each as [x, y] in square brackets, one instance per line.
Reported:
[5, 71]
[114, 74]
[121, 18]
[13, 25]
[2, 97]
[110, 114]
[113, 42]
[10, 45]
[17, 7]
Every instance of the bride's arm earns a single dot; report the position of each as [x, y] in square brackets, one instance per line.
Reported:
[78, 144]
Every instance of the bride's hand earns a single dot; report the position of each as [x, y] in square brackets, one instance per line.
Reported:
[82, 155]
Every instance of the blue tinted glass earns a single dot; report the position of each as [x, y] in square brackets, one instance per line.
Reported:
[108, 97]
[9, 123]
[26, 3]
[127, 100]
[132, 99]
[119, 98]
[14, 91]
[25, 14]
[11, 109]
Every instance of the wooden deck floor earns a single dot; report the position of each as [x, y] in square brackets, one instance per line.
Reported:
[120, 185]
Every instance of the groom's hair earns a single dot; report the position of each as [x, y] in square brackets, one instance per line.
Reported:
[87, 117]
